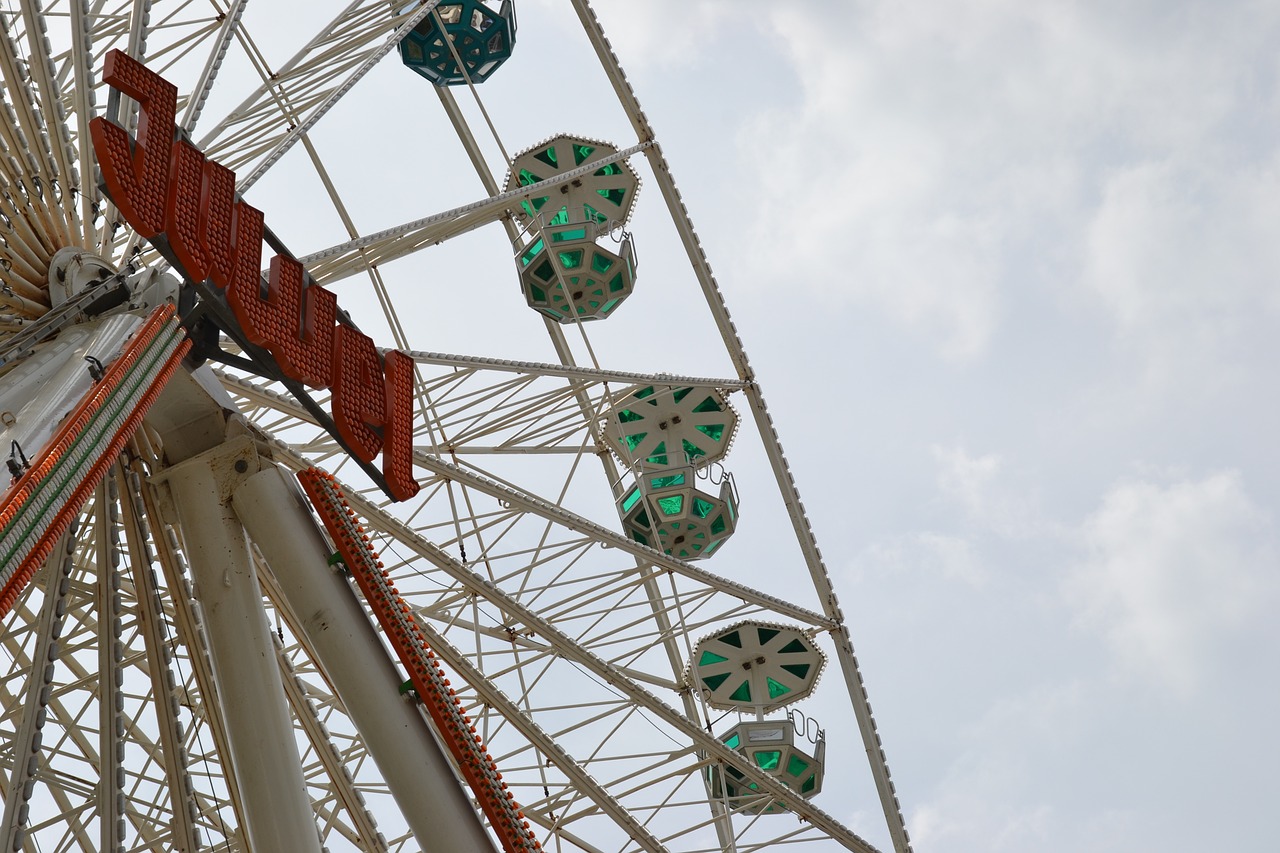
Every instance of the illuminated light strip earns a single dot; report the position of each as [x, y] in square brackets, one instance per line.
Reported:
[40, 506]
[427, 676]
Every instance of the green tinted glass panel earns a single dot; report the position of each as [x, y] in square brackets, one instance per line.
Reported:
[714, 681]
[731, 639]
[793, 647]
[614, 195]
[600, 263]
[734, 772]
[538, 294]
[732, 741]
[708, 405]
[796, 766]
[645, 392]
[766, 634]
[718, 526]
[544, 271]
[702, 508]
[809, 784]
[524, 205]
[608, 306]
[548, 156]
[659, 456]
[691, 450]
[642, 519]
[712, 547]
[627, 416]
[530, 253]
[540, 201]
[525, 178]
[742, 694]
[672, 505]
[777, 689]
[570, 260]
[561, 217]
[710, 657]
[630, 500]
[633, 441]
[663, 482]
[799, 670]
[616, 284]
[768, 759]
[581, 153]
[712, 431]
[591, 213]
[570, 234]
[611, 169]
[639, 537]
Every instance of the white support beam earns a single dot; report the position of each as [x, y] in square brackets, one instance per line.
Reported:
[110, 698]
[264, 754]
[25, 747]
[415, 768]
[583, 781]
[151, 621]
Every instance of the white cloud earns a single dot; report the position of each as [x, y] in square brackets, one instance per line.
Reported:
[981, 487]
[937, 158]
[984, 795]
[1183, 255]
[1175, 572]
[666, 32]
[926, 556]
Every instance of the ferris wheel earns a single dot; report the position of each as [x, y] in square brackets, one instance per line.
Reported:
[384, 468]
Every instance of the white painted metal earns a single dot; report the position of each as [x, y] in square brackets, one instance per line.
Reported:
[150, 616]
[567, 640]
[264, 756]
[25, 746]
[44, 388]
[110, 652]
[421, 778]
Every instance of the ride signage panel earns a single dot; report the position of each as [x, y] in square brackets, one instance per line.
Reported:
[186, 204]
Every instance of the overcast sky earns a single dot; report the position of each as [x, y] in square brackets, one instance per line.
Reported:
[1008, 273]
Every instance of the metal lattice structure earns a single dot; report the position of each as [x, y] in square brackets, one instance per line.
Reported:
[129, 697]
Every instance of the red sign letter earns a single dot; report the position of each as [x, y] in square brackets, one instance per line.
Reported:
[358, 392]
[182, 210]
[397, 445]
[217, 204]
[300, 337]
[137, 179]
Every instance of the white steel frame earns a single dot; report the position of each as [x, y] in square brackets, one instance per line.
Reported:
[569, 642]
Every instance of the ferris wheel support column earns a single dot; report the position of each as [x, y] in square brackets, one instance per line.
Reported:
[424, 785]
[264, 757]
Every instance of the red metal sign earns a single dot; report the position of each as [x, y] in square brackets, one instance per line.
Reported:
[166, 188]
